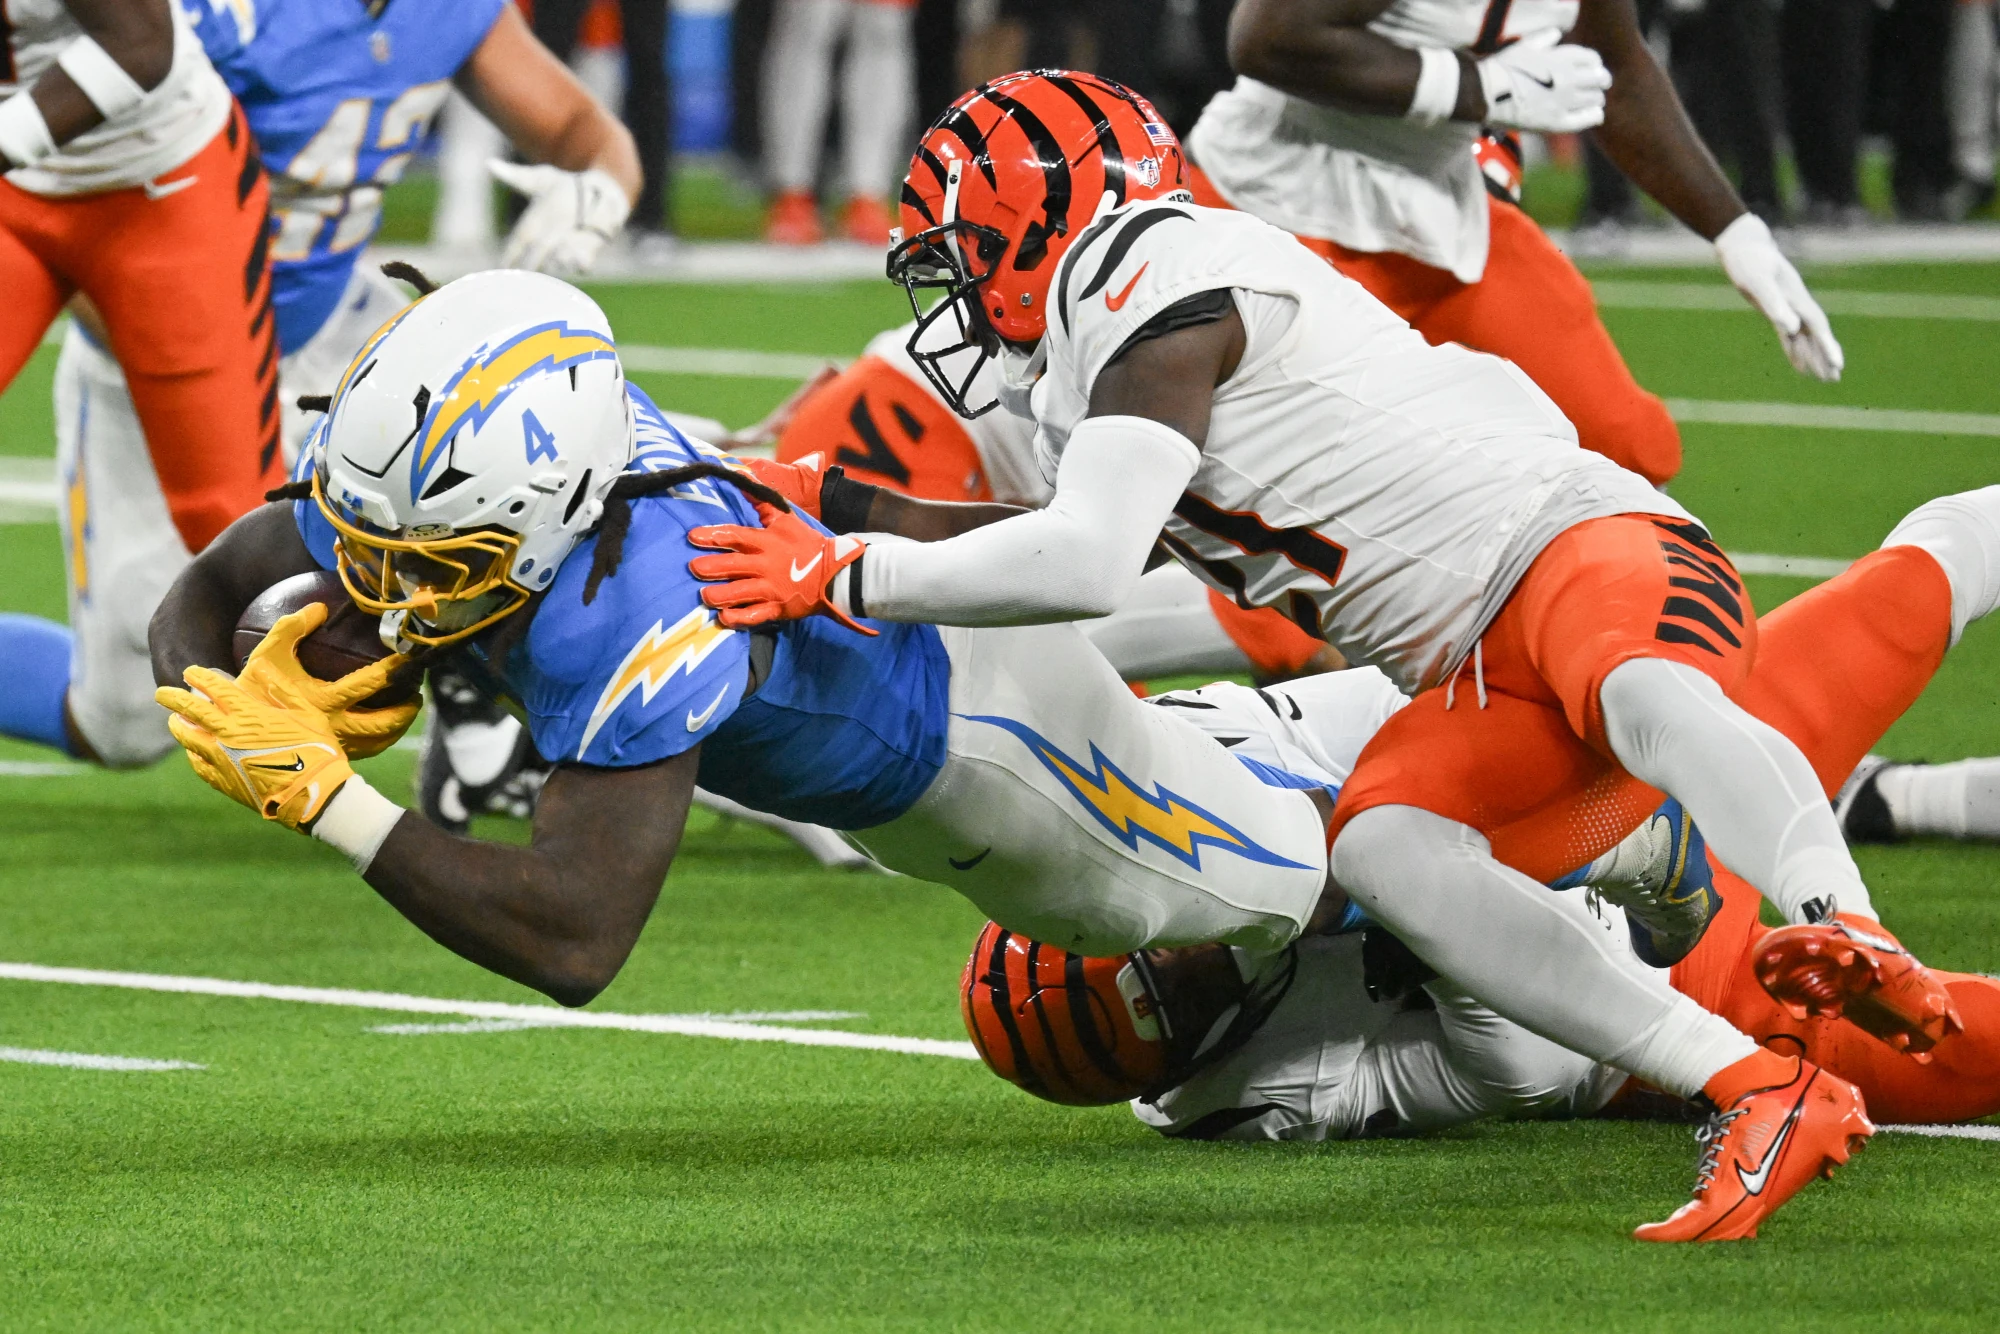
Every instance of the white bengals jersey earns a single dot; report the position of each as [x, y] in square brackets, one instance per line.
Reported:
[1385, 494]
[168, 127]
[1371, 183]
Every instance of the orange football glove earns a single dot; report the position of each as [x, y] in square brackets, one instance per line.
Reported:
[798, 482]
[779, 572]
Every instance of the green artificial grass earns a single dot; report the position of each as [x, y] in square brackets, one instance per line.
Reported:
[321, 1176]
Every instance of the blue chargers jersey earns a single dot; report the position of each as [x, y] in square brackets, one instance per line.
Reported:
[338, 103]
[845, 730]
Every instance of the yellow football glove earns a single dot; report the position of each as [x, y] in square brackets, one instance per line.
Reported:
[362, 732]
[279, 756]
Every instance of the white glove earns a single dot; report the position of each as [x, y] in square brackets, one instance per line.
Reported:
[1536, 84]
[1769, 282]
[570, 215]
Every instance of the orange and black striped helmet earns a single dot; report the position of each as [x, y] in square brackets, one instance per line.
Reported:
[1089, 1031]
[1000, 186]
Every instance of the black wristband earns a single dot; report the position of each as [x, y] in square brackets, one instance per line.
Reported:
[843, 502]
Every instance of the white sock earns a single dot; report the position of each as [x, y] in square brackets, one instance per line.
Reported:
[877, 93]
[798, 81]
[1963, 533]
[1528, 954]
[1960, 800]
[1754, 795]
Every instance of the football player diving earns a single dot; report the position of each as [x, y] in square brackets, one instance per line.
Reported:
[488, 482]
[1573, 640]
[1368, 1042]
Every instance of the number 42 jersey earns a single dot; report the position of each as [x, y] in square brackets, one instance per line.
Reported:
[338, 102]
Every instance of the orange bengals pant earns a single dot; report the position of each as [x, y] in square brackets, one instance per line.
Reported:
[1532, 307]
[178, 270]
[1527, 765]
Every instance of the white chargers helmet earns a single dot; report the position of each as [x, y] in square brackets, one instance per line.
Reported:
[469, 448]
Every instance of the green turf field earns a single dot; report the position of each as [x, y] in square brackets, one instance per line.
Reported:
[316, 1174]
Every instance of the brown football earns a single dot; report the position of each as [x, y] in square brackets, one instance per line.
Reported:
[348, 640]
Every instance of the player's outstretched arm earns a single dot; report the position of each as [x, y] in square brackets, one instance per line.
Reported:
[198, 616]
[1646, 132]
[562, 915]
[1122, 470]
[126, 51]
[588, 174]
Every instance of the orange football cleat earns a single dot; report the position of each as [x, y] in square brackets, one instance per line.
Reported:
[1764, 1144]
[793, 219]
[866, 221]
[1851, 967]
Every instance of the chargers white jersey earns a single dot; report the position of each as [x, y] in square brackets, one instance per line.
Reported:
[168, 127]
[1385, 494]
[1371, 183]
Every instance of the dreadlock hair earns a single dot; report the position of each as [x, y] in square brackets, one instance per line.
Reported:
[631, 486]
[411, 274]
[290, 491]
[315, 402]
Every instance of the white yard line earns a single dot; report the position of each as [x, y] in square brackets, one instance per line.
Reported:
[1724, 412]
[77, 1060]
[1617, 295]
[1798, 567]
[696, 1026]
[520, 1025]
[35, 769]
[1947, 1132]
[731, 361]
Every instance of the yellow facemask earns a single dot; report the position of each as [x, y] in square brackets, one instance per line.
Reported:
[449, 587]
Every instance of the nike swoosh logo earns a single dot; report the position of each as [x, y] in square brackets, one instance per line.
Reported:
[967, 864]
[798, 574]
[697, 721]
[297, 766]
[1754, 1181]
[1117, 303]
[161, 189]
[1546, 83]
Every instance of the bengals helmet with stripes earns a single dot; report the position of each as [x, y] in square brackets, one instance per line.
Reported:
[999, 187]
[1091, 1031]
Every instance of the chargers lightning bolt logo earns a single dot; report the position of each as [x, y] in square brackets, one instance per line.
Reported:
[1164, 819]
[660, 652]
[483, 383]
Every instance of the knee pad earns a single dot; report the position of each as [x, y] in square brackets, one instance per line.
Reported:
[1962, 533]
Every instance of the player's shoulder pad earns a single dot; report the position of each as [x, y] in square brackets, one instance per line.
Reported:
[642, 671]
[1129, 266]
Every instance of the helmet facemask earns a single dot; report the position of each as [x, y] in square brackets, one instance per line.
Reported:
[440, 587]
[953, 340]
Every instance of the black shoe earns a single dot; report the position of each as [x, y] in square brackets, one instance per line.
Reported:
[1863, 814]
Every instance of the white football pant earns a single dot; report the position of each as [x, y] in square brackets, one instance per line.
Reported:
[1071, 812]
[121, 551]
